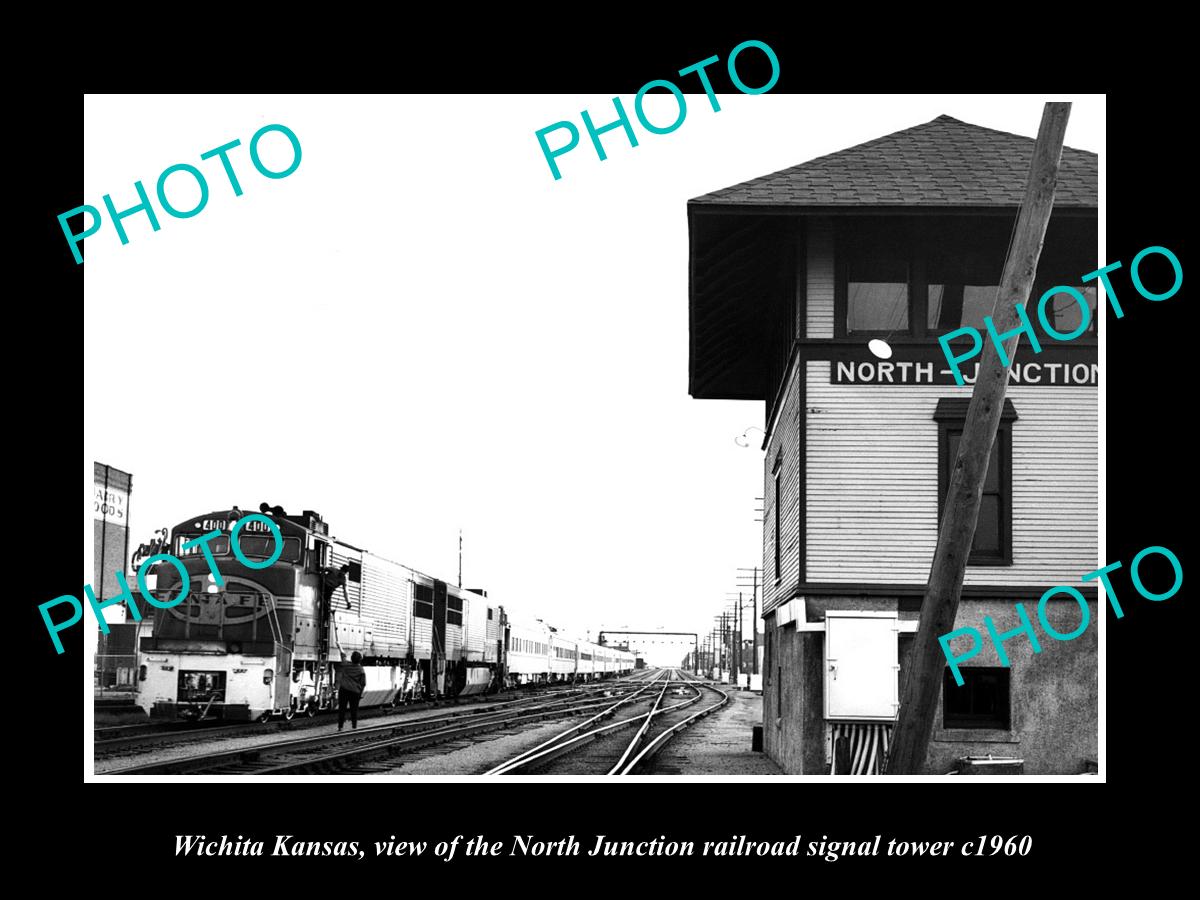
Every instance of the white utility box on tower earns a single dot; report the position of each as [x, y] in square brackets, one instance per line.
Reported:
[861, 668]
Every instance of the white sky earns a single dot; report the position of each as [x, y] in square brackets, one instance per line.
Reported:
[420, 330]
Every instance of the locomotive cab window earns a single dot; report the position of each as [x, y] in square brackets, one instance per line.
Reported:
[219, 546]
[317, 557]
[258, 547]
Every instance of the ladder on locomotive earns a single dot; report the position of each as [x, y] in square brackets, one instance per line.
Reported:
[323, 634]
[277, 634]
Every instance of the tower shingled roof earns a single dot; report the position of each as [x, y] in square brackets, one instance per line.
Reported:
[943, 163]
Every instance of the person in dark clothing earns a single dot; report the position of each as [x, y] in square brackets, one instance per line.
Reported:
[331, 580]
[352, 681]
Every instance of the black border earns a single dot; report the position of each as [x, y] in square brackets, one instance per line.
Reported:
[1146, 372]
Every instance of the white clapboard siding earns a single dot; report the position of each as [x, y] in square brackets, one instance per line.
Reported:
[784, 439]
[819, 271]
[872, 483]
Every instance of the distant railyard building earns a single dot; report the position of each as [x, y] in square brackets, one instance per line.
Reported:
[904, 238]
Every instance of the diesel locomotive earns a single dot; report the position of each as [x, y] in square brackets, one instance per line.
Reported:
[291, 606]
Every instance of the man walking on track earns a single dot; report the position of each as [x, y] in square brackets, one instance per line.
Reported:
[352, 681]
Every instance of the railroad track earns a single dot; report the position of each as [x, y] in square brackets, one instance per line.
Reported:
[590, 748]
[146, 737]
[115, 739]
[352, 749]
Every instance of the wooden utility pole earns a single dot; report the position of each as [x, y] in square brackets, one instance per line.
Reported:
[735, 640]
[754, 611]
[918, 700]
[727, 641]
[724, 639]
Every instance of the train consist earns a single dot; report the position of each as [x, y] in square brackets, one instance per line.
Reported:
[269, 640]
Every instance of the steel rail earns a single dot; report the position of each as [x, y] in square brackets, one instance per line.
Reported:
[557, 746]
[637, 738]
[552, 753]
[546, 747]
[108, 742]
[655, 746]
[463, 723]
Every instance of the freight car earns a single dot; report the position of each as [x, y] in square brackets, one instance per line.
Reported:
[269, 639]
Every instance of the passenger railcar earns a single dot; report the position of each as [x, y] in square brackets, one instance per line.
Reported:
[529, 652]
[267, 638]
[563, 662]
[538, 653]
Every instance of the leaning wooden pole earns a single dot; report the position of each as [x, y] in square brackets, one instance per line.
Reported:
[918, 699]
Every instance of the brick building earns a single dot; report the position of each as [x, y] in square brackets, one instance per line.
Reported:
[791, 274]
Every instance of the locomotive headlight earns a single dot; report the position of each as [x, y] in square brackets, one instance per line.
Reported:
[212, 589]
